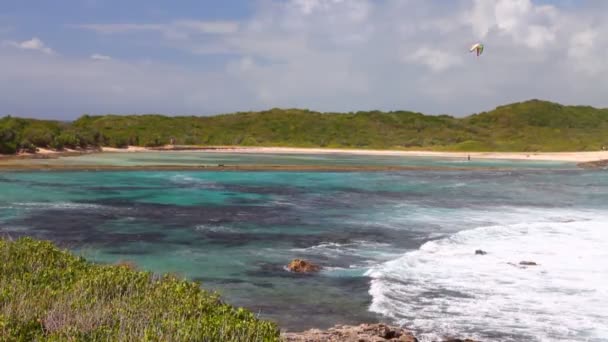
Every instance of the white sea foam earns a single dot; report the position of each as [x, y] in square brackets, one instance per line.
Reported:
[445, 289]
[56, 205]
[181, 179]
[374, 252]
[214, 228]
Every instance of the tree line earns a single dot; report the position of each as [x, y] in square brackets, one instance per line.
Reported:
[525, 126]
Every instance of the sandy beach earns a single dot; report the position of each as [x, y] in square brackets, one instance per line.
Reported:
[578, 157]
[584, 159]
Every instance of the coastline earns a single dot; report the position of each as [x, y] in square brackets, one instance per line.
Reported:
[583, 159]
[579, 157]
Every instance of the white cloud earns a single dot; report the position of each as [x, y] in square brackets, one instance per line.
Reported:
[99, 57]
[539, 36]
[120, 28]
[581, 43]
[210, 27]
[32, 44]
[587, 53]
[435, 59]
[525, 23]
[176, 30]
[341, 55]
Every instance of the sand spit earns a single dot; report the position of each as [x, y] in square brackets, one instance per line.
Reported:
[592, 159]
[579, 157]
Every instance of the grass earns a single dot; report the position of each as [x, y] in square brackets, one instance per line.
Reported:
[48, 294]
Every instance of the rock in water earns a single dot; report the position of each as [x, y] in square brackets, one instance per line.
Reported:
[302, 266]
[480, 252]
[361, 333]
[528, 263]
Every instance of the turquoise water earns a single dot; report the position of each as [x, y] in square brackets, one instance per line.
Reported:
[396, 246]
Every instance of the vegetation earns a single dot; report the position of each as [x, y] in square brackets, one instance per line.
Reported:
[48, 294]
[527, 126]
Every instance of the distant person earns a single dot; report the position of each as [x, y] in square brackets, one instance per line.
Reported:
[469, 157]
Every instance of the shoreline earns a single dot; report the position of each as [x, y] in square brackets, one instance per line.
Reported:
[580, 157]
[583, 159]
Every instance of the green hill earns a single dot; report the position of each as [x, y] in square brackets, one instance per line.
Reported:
[526, 126]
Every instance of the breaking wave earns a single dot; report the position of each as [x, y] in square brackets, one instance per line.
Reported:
[445, 289]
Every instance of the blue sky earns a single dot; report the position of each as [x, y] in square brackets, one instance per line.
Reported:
[60, 59]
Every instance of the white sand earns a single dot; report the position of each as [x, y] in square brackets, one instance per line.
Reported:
[128, 149]
[547, 156]
[43, 151]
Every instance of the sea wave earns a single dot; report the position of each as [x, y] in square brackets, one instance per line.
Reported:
[214, 228]
[444, 288]
[56, 205]
[371, 251]
[181, 179]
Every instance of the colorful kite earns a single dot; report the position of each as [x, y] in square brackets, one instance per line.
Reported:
[478, 48]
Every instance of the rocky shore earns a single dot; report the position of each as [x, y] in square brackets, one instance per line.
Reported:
[360, 333]
[599, 164]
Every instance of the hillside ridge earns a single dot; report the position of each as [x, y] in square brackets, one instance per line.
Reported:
[527, 126]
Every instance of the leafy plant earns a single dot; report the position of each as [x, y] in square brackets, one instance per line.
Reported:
[525, 126]
[49, 294]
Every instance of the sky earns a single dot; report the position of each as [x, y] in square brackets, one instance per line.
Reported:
[63, 58]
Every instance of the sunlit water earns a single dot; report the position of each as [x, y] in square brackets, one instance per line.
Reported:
[395, 246]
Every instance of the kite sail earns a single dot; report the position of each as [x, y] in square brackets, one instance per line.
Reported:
[478, 48]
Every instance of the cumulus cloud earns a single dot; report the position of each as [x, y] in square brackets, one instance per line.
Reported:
[100, 57]
[338, 55]
[525, 23]
[435, 59]
[211, 27]
[32, 44]
[178, 29]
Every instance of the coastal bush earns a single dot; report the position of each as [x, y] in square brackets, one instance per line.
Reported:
[48, 294]
[68, 138]
[8, 144]
[525, 126]
[27, 146]
[39, 136]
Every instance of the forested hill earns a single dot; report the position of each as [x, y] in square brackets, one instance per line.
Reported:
[526, 126]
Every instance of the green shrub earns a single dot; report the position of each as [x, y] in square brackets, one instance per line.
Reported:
[27, 146]
[47, 294]
[525, 126]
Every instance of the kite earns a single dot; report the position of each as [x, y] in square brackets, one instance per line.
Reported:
[478, 47]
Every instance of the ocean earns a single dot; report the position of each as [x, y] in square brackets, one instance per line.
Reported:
[396, 246]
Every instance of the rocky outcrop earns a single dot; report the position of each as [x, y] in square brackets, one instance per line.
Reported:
[528, 263]
[598, 164]
[360, 333]
[480, 252]
[302, 266]
[523, 264]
